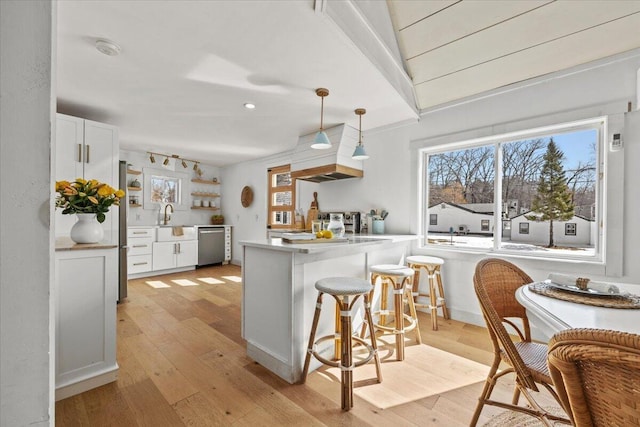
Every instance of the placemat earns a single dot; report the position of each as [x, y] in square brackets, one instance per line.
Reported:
[613, 301]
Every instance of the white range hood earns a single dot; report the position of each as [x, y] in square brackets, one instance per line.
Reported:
[331, 164]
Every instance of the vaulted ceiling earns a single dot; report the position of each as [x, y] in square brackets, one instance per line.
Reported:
[187, 67]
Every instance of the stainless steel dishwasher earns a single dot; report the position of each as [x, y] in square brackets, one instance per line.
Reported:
[210, 245]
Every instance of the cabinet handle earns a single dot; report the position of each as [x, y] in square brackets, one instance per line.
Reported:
[140, 263]
[140, 246]
[175, 248]
[79, 153]
[179, 248]
[139, 232]
[86, 153]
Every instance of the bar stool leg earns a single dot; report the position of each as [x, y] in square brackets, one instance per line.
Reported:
[433, 306]
[346, 359]
[445, 311]
[312, 338]
[369, 321]
[338, 328]
[398, 296]
[412, 310]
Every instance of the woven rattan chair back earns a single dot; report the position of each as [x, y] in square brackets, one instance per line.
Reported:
[495, 282]
[597, 376]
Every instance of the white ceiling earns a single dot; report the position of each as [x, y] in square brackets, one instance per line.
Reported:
[187, 67]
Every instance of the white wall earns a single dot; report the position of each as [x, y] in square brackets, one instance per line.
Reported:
[26, 111]
[390, 175]
[141, 216]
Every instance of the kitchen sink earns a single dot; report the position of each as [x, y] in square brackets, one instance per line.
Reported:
[166, 233]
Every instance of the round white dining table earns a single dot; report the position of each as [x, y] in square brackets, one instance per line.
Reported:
[551, 315]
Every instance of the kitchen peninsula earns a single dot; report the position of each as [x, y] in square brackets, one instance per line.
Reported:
[278, 299]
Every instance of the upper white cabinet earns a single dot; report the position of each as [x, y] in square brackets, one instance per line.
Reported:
[89, 150]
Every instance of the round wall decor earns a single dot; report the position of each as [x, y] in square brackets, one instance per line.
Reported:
[246, 197]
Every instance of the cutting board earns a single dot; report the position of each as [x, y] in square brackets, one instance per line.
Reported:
[296, 241]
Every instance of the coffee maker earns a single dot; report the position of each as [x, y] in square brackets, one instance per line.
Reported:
[352, 222]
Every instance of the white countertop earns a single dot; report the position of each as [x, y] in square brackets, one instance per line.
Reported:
[357, 241]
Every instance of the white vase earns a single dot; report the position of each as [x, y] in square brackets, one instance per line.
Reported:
[87, 229]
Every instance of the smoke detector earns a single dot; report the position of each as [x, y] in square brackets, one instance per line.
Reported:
[108, 47]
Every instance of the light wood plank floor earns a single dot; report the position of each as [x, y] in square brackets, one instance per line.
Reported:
[182, 362]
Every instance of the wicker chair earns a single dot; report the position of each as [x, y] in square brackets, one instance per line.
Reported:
[597, 376]
[495, 282]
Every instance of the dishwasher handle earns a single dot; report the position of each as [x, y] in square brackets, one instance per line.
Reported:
[210, 231]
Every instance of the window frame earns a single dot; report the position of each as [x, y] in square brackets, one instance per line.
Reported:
[523, 228]
[433, 219]
[569, 225]
[452, 143]
[271, 190]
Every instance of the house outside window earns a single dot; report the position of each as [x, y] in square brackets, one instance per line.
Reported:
[570, 229]
[433, 219]
[473, 178]
[281, 190]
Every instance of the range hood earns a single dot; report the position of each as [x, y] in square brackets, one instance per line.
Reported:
[331, 164]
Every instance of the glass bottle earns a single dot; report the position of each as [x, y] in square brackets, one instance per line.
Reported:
[336, 225]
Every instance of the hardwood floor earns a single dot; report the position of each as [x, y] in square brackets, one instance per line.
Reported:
[182, 362]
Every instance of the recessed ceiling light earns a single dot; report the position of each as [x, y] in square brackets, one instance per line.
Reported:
[108, 47]
[249, 106]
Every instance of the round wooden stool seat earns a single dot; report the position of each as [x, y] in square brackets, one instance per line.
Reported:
[436, 295]
[346, 291]
[399, 277]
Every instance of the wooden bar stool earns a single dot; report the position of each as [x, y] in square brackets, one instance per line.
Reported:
[399, 277]
[436, 297]
[346, 291]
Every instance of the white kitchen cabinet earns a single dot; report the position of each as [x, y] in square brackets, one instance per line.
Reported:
[86, 292]
[89, 150]
[140, 249]
[174, 254]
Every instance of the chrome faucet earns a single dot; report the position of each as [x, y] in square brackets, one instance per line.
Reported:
[167, 218]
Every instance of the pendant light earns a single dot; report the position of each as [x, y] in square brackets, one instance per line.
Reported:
[321, 141]
[359, 153]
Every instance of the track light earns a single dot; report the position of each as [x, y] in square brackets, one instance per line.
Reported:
[151, 158]
[321, 141]
[184, 164]
[166, 161]
[195, 166]
[359, 153]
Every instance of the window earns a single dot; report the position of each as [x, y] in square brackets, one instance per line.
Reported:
[536, 179]
[281, 197]
[433, 219]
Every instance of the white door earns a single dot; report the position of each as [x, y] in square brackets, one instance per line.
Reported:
[188, 253]
[164, 255]
[101, 162]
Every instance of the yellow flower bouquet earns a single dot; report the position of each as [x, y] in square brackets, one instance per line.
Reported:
[82, 196]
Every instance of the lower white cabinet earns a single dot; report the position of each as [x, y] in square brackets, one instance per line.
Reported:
[86, 293]
[174, 254]
[140, 243]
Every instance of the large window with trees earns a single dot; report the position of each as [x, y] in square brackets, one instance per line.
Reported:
[543, 181]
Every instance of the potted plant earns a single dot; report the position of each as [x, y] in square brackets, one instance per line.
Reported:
[217, 219]
[89, 200]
